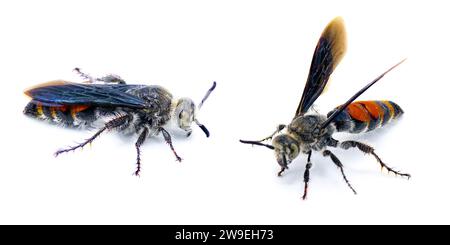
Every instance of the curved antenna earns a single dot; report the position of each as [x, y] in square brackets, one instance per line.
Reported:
[202, 127]
[207, 95]
[341, 108]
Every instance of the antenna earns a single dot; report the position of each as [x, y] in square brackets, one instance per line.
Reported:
[256, 143]
[207, 95]
[202, 127]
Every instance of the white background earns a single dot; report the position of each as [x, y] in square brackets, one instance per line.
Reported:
[259, 53]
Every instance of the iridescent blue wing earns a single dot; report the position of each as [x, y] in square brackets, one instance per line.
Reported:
[67, 93]
[328, 53]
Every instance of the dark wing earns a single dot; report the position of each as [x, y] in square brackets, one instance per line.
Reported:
[328, 53]
[67, 93]
[355, 96]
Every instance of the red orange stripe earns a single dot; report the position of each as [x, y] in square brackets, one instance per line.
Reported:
[77, 108]
[374, 109]
[358, 112]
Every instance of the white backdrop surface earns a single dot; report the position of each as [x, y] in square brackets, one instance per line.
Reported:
[259, 53]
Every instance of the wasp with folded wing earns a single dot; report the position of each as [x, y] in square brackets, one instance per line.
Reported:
[311, 131]
[141, 109]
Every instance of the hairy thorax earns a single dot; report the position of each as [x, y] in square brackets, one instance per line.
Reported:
[158, 105]
[306, 130]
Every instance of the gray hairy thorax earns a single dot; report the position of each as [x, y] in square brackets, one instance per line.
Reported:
[158, 107]
[306, 130]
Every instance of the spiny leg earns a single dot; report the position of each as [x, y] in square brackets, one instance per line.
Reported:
[338, 163]
[138, 144]
[306, 175]
[368, 149]
[82, 144]
[279, 128]
[169, 141]
[114, 123]
[84, 75]
[106, 79]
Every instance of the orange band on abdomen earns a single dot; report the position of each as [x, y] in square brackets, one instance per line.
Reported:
[75, 109]
[374, 109]
[358, 112]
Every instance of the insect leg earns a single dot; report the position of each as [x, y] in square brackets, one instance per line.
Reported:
[89, 78]
[169, 141]
[111, 79]
[106, 79]
[279, 128]
[368, 149]
[338, 163]
[306, 175]
[114, 123]
[138, 144]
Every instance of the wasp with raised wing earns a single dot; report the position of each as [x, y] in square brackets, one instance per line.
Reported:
[129, 108]
[310, 131]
